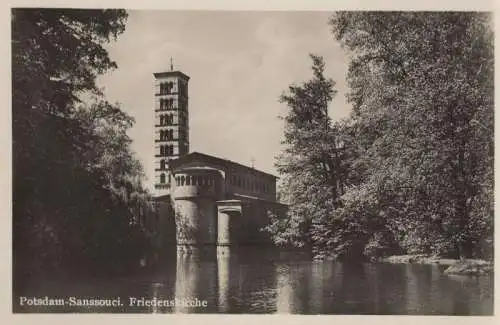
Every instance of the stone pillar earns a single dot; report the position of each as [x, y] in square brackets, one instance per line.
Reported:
[223, 236]
[229, 215]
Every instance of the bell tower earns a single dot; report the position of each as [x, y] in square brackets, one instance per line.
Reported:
[171, 124]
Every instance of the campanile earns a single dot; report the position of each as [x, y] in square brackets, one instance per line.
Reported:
[171, 124]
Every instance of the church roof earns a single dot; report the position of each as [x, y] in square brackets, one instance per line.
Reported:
[170, 74]
[215, 160]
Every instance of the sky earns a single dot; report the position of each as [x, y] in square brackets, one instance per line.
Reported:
[239, 62]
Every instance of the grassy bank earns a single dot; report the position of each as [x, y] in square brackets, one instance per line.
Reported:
[455, 266]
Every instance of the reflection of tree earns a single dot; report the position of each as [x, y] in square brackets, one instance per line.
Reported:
[186, 230]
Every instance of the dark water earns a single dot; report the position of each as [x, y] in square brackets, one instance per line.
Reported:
[254, 281]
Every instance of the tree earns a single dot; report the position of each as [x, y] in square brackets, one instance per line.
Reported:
[75, 37]
[312, 164]
[76, 183]
[422, 95]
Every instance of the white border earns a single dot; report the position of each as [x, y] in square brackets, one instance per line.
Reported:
[6, 143]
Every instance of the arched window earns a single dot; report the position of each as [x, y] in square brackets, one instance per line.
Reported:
[183, 179]
[177, 181]
[163, 88]
[171, 134]
[169, 178]
[162, 178]
[162, 164]
[163, 135]
[188, 180]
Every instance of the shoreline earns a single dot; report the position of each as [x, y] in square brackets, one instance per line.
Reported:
[454, 266]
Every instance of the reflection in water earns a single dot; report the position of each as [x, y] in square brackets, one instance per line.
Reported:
[256, 281]
[196, 281]
[224, 277]
[412, 296]
[316, 293]
[284, 296]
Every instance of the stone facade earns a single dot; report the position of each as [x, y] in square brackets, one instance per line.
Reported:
[220, 202]
[171, 125]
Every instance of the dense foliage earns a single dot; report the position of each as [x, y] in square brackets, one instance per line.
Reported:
[77, 191]
[417, 162]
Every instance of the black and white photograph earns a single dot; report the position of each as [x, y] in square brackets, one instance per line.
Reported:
[286, 162]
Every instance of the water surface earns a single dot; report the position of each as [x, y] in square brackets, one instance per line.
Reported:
[256, 281]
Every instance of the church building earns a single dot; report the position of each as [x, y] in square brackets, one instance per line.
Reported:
[201, 199]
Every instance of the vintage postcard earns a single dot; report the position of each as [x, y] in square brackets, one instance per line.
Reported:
[291, 162]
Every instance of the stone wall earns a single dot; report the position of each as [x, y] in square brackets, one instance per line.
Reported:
[195, 194]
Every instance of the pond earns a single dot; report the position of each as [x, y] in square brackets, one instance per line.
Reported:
[254, 281]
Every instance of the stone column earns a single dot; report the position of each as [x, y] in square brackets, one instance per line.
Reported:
[229, 214]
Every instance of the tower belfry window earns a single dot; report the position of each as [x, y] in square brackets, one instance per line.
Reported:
[167, 88]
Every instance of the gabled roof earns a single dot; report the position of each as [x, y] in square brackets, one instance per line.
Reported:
[215, 160]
